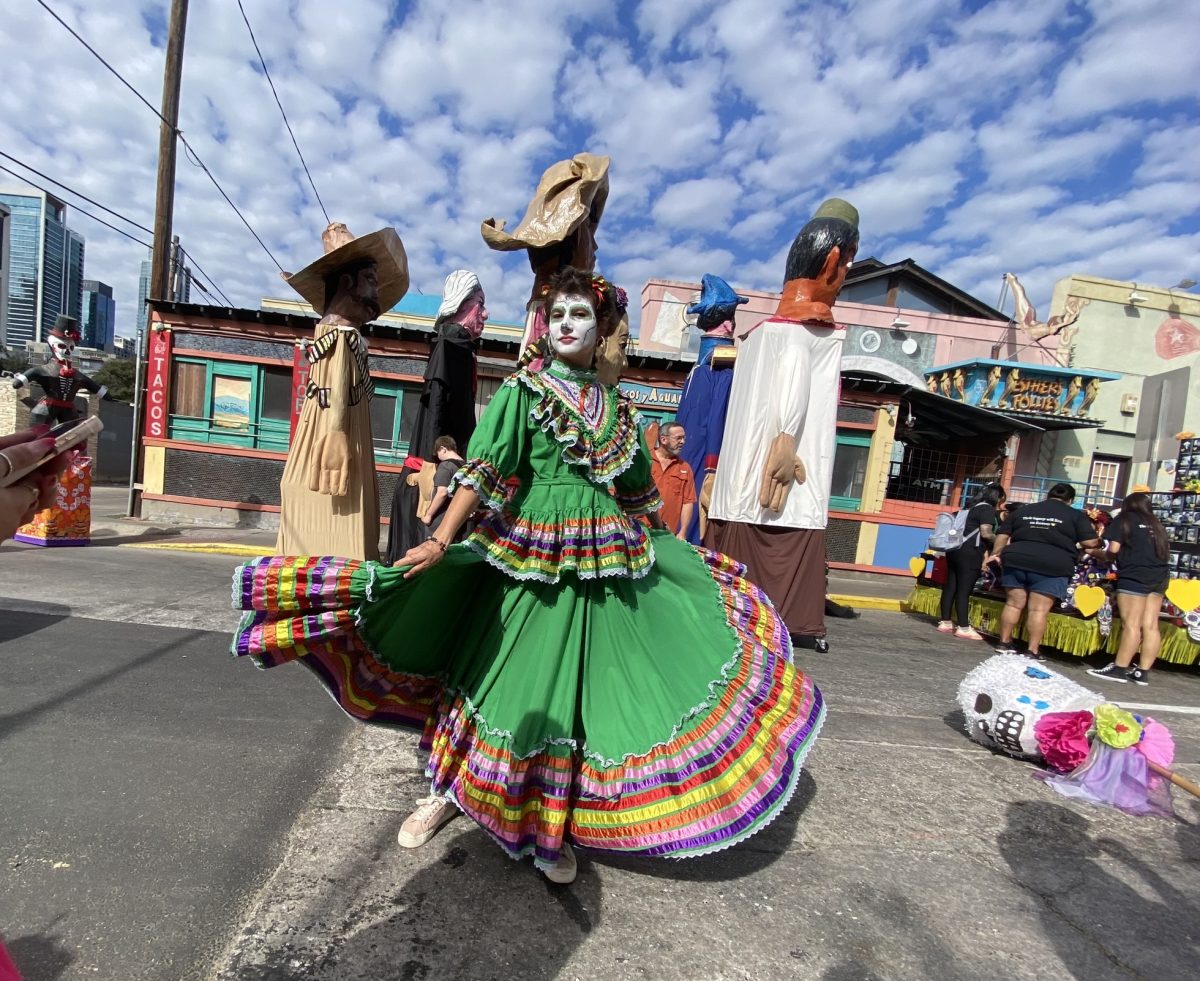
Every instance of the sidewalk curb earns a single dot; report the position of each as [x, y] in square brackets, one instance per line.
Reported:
[205, 548]
[869, 602]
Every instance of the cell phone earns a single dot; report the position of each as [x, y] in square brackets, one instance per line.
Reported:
[65, 435]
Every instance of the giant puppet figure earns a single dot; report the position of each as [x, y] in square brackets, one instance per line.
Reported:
[558, 230]
[329, 495]
[59, 380]
[447, 405]
[770, 500]
[68, 521]
[705, 398]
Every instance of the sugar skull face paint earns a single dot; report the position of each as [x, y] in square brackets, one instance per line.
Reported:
[573, 329]
[62, 349]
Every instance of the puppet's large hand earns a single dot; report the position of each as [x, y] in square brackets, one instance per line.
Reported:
[778, 473]
[330, 472]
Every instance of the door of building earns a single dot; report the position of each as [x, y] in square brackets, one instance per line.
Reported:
[1110, 475]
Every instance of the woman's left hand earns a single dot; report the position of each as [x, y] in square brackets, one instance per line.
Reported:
[422, 557]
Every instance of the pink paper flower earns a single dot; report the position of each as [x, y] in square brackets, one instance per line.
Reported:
[1156, 743]
[1062, 738]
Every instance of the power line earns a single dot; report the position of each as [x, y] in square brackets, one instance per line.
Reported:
[117, 214]
[195, 159]
[82, 211]
[262, 61]
[191, 258]
[120, 78]
[71, 190]
[178, 132]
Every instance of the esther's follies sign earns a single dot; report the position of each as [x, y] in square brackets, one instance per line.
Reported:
[1047, 392]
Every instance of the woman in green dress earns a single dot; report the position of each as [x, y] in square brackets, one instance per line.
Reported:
[589, 681]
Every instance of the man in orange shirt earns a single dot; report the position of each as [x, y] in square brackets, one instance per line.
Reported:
[674, 479]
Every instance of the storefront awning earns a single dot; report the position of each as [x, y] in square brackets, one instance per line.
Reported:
[934, 416]
[1050, 396]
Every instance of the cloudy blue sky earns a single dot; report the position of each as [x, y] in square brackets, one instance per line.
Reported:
[1043, 137]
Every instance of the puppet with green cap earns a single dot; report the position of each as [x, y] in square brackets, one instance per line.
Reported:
[770, 501]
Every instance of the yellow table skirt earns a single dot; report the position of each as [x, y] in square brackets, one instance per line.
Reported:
[1070, 634]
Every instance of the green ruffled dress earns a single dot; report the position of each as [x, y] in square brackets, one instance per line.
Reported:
[575, 677]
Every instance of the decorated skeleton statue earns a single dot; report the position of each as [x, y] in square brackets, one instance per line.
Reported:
[59, 379]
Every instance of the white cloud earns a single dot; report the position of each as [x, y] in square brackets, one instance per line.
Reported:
[919, 179]
[1136, 53]
[1017, 150]
[703, 203]
[964, 137]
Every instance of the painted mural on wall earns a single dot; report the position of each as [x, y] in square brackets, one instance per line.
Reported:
[1175, 338]
[1019, 388]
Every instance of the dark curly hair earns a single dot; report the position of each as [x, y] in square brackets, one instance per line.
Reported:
[605, 297]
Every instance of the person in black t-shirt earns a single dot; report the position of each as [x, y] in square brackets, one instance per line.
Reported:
[1039, 548]
[1140, 544]
[965, 563]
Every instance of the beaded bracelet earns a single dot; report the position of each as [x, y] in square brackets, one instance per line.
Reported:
[438, 542]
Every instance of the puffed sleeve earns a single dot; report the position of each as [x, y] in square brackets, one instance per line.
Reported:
[496, 449]
[634, 488]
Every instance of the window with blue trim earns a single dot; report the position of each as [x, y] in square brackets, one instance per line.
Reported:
[849, 469]
[229, 404]
[393, 411]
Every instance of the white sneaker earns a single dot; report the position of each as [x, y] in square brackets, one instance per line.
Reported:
[423, 823]
[563, 871]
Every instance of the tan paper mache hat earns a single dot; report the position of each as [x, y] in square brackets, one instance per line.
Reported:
[567, 193]
[343, 249]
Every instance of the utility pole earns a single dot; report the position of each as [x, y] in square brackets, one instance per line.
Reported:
[164, 201]
[164, 208]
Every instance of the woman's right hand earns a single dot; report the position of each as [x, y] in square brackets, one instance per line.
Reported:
[421, 557]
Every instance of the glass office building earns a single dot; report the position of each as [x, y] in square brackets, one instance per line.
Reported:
[45, 265]
[97, 326]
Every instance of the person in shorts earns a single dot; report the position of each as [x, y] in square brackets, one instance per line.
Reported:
[1140, 545]
[1038, 548]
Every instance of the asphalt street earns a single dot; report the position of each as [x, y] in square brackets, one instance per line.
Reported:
[170, 813]
[149, 781]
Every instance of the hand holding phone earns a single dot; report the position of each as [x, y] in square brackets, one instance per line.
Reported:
[65, 436]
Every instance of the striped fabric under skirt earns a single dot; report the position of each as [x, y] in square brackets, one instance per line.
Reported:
[659, 716]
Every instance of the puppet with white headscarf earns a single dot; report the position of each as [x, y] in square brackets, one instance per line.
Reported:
[447, 406]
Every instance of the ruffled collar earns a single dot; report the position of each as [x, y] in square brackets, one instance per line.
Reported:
[560, 369]
[595, 426]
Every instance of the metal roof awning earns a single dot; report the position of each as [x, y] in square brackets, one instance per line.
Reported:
[937, 417]
[1051, 396]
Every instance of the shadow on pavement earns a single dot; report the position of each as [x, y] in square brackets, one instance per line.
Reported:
[748, 858]
[40, 956]
[15, 721]
[15, 624]
[473, 913]
[1083, 905]
[105, 538]
[896, 914]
